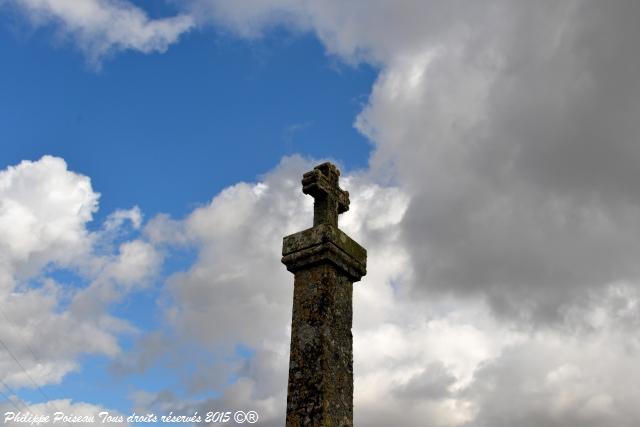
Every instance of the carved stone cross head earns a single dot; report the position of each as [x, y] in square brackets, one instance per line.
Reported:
[330, 200]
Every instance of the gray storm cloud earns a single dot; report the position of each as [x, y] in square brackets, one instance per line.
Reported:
[517, 137]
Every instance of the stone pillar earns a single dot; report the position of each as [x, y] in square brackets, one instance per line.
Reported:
[325, 262]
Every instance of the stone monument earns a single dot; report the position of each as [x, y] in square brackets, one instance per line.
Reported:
[325, 263]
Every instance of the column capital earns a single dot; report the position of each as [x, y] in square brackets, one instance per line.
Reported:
[324, 243]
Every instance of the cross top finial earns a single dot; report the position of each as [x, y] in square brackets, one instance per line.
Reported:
[322, 183]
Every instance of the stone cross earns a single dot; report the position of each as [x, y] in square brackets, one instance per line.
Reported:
[330, 200]
[325, 263]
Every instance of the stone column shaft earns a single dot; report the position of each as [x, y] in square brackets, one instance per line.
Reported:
[320, 391]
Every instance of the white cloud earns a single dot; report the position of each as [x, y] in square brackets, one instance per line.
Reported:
[47, 323]
[131, 269]
[43, 212]
[117, 218]
[238, 271]
[99, 27]
[162, 229]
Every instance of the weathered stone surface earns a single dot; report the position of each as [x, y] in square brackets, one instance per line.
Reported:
[320, 391]
[325, 262]
[324, 243]
[330, 200]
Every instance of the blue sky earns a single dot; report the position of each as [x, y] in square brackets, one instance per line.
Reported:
[150, 161]
[182, 125]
